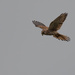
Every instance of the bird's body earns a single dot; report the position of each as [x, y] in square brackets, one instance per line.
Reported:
[49, 32]
[53, 27]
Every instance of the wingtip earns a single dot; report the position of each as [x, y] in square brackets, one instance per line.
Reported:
[65, 13]
[33, 20]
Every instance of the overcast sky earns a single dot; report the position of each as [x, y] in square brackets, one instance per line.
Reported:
[23, 50]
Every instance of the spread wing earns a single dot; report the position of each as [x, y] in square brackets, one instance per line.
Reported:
[40, 25]
[61, 37]
[57, 23]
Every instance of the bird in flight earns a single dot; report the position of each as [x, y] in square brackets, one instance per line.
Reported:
[53, 27]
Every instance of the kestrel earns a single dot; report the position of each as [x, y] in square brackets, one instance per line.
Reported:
[53, 27]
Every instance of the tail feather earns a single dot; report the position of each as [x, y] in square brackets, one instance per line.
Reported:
[61, 37]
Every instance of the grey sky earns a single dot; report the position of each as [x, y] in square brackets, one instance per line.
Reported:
[23, 50]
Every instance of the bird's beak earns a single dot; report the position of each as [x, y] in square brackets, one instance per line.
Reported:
[42, 34]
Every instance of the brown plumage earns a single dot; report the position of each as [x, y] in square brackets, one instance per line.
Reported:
[53, 27]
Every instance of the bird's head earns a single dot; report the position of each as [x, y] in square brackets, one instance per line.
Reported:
[43, 32]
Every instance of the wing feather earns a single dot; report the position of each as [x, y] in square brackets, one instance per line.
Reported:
[57, 23]
[40, 25]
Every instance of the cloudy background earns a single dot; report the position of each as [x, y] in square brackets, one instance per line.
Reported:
[23, 51]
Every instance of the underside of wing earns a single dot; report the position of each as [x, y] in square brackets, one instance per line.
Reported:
[57, 23]
[61, 37]
[40, 25]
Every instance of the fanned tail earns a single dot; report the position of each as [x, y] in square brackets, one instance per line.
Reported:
[61, 37]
